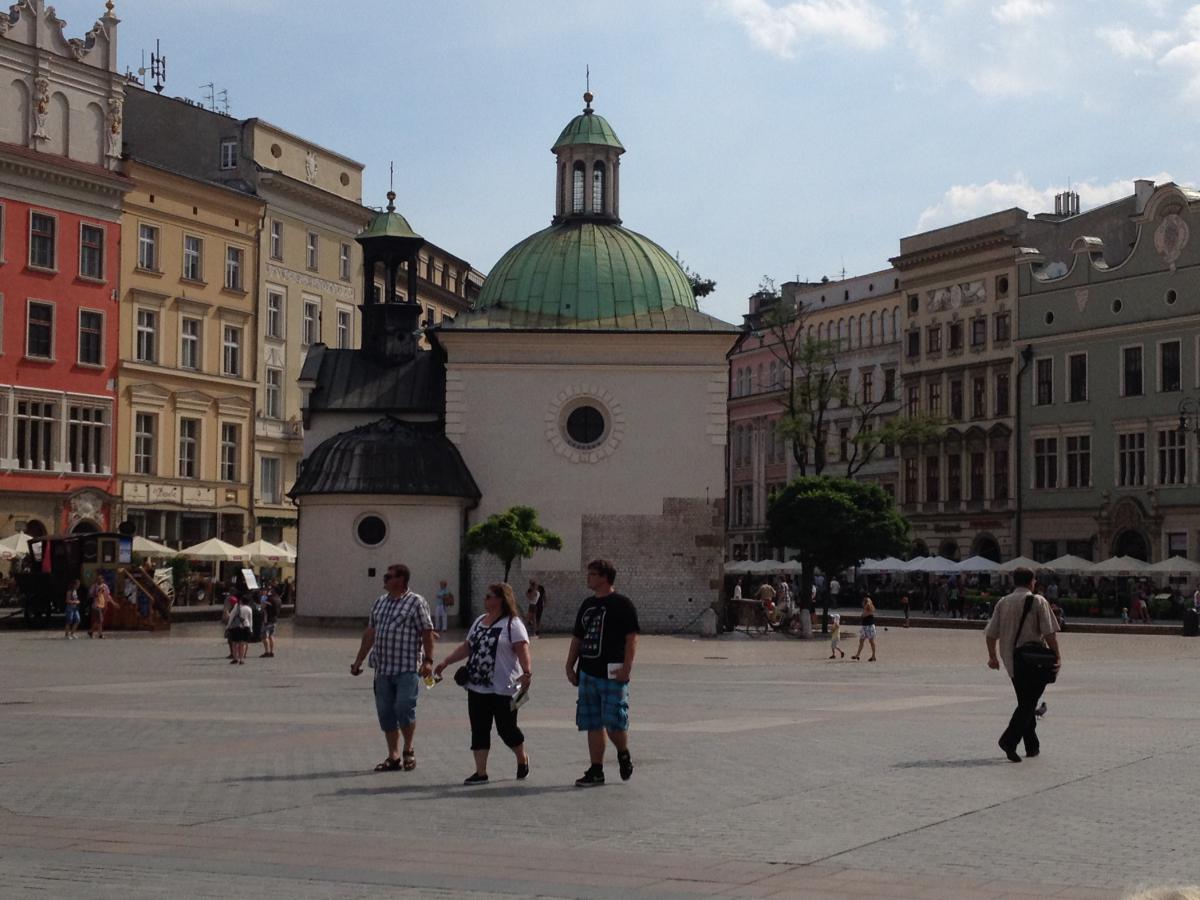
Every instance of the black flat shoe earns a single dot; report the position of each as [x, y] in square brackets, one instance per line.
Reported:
[476, 779]
[1029, 755]
[1011, 753]
[522, 771]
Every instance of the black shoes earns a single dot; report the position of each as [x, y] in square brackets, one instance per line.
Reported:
[522, 771]
[476, 778]
[1030, 754]
[1041, 710]
[626, 764]
[592, 777]
[1010, 752]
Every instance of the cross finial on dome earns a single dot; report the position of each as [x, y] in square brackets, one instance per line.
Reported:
[587, 91]
[391, 195]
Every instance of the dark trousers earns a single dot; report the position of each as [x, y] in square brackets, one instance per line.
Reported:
[1023, 724]
[486, 708]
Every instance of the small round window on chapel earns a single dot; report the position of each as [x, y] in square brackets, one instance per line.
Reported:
[371, 530]
[585, 427]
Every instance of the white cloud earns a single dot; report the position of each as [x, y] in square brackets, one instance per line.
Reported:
[1017, 12]
[967, 201]
[781, 29]
[1129, 44]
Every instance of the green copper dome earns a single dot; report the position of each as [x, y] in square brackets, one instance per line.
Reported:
[387, 224]
[588, 128]
[583, 271]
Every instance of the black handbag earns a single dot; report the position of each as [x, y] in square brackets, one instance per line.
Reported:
[460, 676]
[1033, 660]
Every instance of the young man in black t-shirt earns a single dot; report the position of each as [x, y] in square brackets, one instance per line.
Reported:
[599, 663]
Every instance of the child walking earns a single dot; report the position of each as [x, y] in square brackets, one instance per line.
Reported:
[835, 635]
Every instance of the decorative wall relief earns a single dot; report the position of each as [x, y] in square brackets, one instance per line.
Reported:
[310, 166]
[956, 296]
[1171, 237]
[1081, 299]
[41, 106]
[115, 119]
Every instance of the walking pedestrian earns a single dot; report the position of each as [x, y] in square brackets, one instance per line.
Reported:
[599, 663]
[533, 597]
[737, 592]
[241, 629]
[71, 609]
[904, 606]
[866, 630]
[399, 639]
[271, 606]
[1019, 618]
[835, 635]
[440, 620]
[101, 598]
[498, 664]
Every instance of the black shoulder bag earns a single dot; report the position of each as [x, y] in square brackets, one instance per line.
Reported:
[461, 676]
[1033, 660]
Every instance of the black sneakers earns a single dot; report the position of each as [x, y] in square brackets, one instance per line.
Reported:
[476, 778]
[522, 771]
[592, 777]
[626, 764]
[1041, 710]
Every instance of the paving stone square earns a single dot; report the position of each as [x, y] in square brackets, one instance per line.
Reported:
[145, 766]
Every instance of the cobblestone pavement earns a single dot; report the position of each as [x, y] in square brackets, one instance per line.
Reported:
[144, 766]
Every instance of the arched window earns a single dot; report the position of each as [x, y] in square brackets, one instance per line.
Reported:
[871, 330]
[861, 320]
[841, 333]
[895, 322]
[577, 189]
[821, 332]
[598, 187]
[762, 382]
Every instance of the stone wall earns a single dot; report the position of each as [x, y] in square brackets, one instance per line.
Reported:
[668, 564]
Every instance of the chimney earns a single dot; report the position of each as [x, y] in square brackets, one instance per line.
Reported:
[1142, 189]
[1066, 204]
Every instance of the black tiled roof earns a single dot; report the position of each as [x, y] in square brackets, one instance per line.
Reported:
[353, 380]
[387, 456]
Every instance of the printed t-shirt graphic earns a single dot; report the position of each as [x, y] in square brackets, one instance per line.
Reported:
[481, 664]
[601, 627]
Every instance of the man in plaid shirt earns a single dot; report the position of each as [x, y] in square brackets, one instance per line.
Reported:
[399, 637]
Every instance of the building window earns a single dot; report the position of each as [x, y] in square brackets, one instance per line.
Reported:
[956, 336]
[1131, 459]
[889, 385]
[311, 251]
[274, 409]
[189, 448]
[598, 187]
[954, 477]
[978, 397]
[311, 331]
[40, 331]
[274, 314]
[577, 176]
[1169, 366]
[87, 439]
[956, 400]
[1001, 394]
[431, 317]
[230, 439]
[146, 349]
[1131, 371]
[269, 486]
[933, 486]
[189, 343]
[914, 343]
[276, 239]
[34, 429]
[1045, 463]
[144, 455]
[344, 262]
[910, 480]
[843, 444]
[979, 331]
[1044, 551]
[1172, 456]
[1043, 382]
[914, 400]
[1077, 374]
[1079, 461]
[867, 384]
[193, 263]
[42, 241]
[148, 247]
[343, 328]
[91, 337]
[231, 351]
[1177, 544]
[229, 153]
[933, 338]
[935, 398]
[978, 475]
[233, 268]
[1003, 329]
[91, 252]
[1000, 474]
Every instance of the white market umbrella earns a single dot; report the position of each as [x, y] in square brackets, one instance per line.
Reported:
[289, 549]
[978, 564]
[1176, 565]
[1020, 562]
[1120, 565]
[887, 564]
[932, 564]
[214, 550]
[261, 551]
[14, 545]
[147, 547]
[738, 567]
[1074, 565]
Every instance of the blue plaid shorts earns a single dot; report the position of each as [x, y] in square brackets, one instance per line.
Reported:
[602, 703]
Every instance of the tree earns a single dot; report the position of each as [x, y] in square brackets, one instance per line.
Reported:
[511, 534]
[701, 286]
[834, 523]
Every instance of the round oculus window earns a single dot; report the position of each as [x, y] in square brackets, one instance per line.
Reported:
[585, 426]
[1049, 318]
[371, 530]
[1171, 297]
[1116, 306]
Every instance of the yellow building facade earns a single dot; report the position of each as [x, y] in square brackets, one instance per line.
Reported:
[188, 357]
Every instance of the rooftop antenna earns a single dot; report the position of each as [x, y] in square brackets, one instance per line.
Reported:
[158, 67]
[209, 97]
[391, 194]
[223, 99]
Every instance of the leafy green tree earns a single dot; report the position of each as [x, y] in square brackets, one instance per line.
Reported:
[834, 523]
[511, 534]
[701, 286]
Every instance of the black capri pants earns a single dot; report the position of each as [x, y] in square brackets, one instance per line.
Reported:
[483, 709]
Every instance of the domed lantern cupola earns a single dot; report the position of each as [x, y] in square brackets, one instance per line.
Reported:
[588, 185]
[389, 327]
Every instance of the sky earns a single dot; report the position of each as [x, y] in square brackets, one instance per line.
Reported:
[764, 138]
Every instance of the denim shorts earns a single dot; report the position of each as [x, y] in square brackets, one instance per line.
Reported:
[602, 703]
[72, 615]
[396, 699]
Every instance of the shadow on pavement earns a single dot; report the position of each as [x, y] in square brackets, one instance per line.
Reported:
[951, 763]
[300, 776]
[457, 791]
